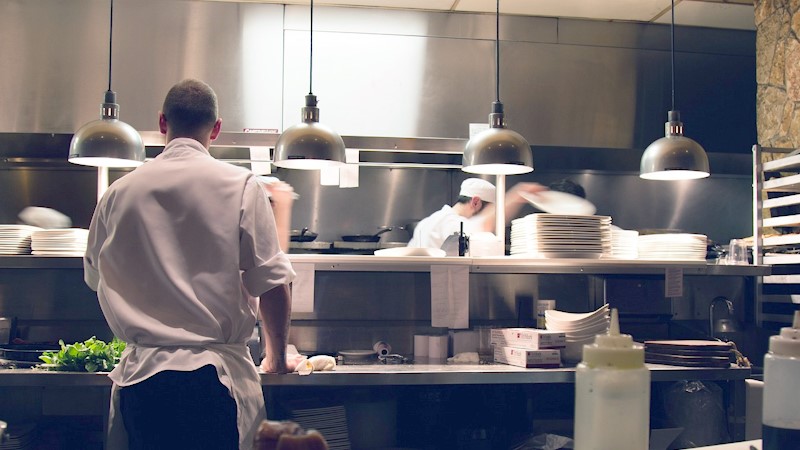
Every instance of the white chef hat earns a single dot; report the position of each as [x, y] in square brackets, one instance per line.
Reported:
[476, 187]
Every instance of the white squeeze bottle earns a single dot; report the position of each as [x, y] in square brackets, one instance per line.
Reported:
[612, 394]
[781, 415]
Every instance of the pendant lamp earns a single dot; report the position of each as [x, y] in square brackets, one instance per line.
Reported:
[497, 150]
[675, 156]
[107, 142]
[309, 145]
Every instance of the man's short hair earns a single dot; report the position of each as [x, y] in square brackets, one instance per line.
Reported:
[190, 108]
[568, 186]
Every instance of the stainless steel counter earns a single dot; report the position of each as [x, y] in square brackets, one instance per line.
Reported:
[505, 264]
[392, 375]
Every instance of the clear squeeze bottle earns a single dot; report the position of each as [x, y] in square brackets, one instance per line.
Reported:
[612, 394]
[781, 415]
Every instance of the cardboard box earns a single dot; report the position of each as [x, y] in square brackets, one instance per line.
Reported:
[529, 338]
[521, 357]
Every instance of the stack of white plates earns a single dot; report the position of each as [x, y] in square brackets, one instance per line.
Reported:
[624, 244]
[673, 247]
[59, 242]
[330, 421]
[579, 328]
[561, 236]
[16, 239]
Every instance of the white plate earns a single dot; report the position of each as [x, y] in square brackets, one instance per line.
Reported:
[411, 251]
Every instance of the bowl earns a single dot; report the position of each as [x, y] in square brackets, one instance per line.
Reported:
[557, 325]
[576, 318]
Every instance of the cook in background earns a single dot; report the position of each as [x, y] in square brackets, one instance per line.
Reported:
[474, 208]
[568, 186]
[178, 250]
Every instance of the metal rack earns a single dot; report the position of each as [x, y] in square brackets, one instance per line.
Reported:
[776, 293]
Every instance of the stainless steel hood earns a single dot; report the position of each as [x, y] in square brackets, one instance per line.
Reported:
[565, 82]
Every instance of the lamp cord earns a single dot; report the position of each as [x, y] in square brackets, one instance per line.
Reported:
[110, 36]
[497, 53]
[672, 53]
[311, 50]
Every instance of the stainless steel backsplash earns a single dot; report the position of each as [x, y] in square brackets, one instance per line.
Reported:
[588, 95]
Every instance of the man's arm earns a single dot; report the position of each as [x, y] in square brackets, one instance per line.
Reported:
[275, 308]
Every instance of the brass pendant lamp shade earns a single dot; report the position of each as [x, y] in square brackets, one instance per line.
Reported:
[108, 141]
[497, 150]
[309, 145]
[675, 156]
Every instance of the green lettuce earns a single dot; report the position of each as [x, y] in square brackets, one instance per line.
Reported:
[92, 355]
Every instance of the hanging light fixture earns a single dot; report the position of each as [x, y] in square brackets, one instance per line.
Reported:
[675, 156]
[497, 150]
[309, 145]
[107, 142]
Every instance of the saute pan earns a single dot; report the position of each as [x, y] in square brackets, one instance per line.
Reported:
[366, 237]
[302, 235]
[29, 353]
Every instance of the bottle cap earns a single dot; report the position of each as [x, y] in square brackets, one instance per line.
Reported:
[613, 349]
[788, 342]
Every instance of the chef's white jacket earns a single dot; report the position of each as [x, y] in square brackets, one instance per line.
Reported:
[174, 249]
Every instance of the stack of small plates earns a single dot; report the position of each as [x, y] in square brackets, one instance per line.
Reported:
[624, 244]
[60, 242]
[330, 421]
[16, 239]
[579, 328]
[673, 247]
[561, 236]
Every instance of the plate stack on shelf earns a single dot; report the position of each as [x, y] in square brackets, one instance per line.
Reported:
[673, 247]
[579, 328]
[60, 242]
[624, 244]
[689, 353]
[330, 421]
[561, 236]
[16, 239]
[21, 436]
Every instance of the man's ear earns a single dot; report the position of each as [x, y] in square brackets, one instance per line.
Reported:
[162, 123]
[217, 127]
[476, 203]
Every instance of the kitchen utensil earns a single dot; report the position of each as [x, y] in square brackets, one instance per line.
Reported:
[556, 202]
[302, 235]
[366, 237]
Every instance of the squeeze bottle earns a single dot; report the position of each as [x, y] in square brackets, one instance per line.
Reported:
[781, 415]
[612, 393]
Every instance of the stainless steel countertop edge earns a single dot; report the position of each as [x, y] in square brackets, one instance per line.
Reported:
[392, 375]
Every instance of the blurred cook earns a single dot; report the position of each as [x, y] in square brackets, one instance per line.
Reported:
[281, 198]
[474, 207]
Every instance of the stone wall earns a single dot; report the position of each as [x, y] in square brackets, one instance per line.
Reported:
[778, 72]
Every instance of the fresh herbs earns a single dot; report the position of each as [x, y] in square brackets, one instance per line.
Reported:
[92, 355]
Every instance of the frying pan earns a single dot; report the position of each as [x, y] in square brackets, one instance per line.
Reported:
[29, 353]
[302, 235]
[366, 237]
